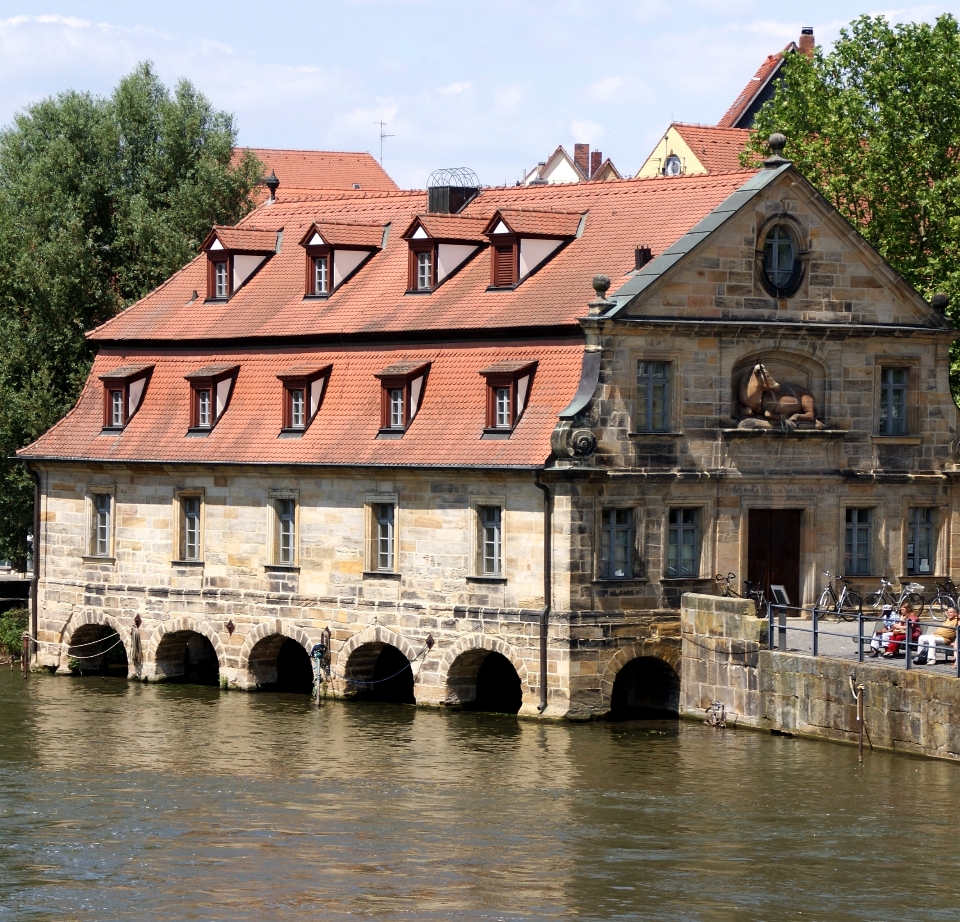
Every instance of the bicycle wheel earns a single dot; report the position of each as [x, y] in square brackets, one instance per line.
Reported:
[825, 608]
[916, 600]
[938, 607]
[875, 602]
[850, 605]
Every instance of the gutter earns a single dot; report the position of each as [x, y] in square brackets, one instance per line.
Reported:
[547, 585]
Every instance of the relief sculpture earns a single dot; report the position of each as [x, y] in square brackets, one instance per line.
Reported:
[764, 402]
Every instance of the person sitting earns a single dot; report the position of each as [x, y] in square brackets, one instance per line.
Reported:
[882, 632]
[946, 636]
[906, 625]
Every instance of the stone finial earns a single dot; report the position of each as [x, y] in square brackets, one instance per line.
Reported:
[776, 159]
[939, 302]
[600, 303]
[272, 183]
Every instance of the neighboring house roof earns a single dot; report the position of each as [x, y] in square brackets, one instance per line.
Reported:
[558, 168]
[740, 114]
[605, 172]
[446, 432]
[619, 216]
[700, 148]
[313, 170]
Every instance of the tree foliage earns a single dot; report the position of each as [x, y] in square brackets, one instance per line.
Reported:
[875, 126]
[101, 199]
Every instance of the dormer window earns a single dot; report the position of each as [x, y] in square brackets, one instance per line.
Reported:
[335, 252]
[508, 388]
[522, 241]
[123, 390]
[303, 390]
[210, 392]
[401, 394]
[233, 255]
[439, 245]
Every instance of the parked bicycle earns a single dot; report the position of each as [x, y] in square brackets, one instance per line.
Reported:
[945, 597]
[727, 588]
[885, 599]
[843, 607]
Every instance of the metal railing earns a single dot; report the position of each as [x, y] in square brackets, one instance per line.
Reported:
[811, 624]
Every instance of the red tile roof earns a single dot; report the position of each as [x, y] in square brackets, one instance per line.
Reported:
[718, 149]
[446, 432]
[247, 239]
[619, 215]
[547, 223]
[305, 170]
[341, 233]
[757, 82]
[450, 227]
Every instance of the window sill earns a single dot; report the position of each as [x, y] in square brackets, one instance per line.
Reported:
[381, 574]
[896, 439]
[281, 568]
[111, 430]
[622, 580]
[684, 580]
[484, 578]
[495, 434]
[216, 300]
[316, 297]
[662, 435]
[419, 291]
[291, 433]
[198, 432]
[193, 564]
[93, 558]
[502, 287]
[391, 433]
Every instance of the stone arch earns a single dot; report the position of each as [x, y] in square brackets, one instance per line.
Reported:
[104, 620]
[264, 630]
[477, 642]
[184, 623]
[668, 652]
[375, 634]
[373, 667]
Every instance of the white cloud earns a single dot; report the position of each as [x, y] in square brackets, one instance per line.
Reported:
[587, 131]
[455, 88]
[603, 89]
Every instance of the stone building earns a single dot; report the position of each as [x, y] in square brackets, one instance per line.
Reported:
[410, 429]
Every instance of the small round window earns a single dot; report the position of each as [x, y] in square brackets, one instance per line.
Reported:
[782, 263]
[672, 166]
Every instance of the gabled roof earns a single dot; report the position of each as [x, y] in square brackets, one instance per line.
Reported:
[718, 149]
[342, 233]
[243, 240]
[605, 172]
[557, 158]
[123, 372]
[536, 223]
[765, 73]
[449, 227]
[314, 170]
[622, 215]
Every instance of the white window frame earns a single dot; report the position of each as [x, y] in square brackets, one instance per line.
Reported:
[424, 270]
[398, 399]
[321, 282]
[503, 396]
[281, 556]
[100, 535]
[204, 407]
[373, 503]
[221, 278]
[298, 408]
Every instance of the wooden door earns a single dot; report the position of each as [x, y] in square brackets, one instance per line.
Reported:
[773, 550]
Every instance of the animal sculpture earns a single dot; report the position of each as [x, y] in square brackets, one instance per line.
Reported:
[762, 396]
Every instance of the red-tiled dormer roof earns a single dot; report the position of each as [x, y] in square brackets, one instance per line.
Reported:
[313, 170]
[450, 227]
[339, 233]
[445, 433]
[717, 149]
[758, 81]
[373, 302]
[537, 223]
[243, 240]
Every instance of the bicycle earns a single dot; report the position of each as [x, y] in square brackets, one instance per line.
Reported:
[945, 597]
[843, 607]
[884, 598]
[726, 584]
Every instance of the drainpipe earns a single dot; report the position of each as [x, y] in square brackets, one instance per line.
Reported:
[547, 585]
[35, 582]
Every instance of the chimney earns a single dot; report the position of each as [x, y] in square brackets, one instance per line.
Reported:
[272, 183]
[596, 158]
[581, 157]
[807, 41]
[641, 256]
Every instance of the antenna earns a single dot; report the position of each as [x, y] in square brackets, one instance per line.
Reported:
[382, 136]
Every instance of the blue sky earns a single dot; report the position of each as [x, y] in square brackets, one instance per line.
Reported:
[494, 86]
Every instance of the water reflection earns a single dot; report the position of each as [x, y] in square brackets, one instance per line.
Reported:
[126, 801]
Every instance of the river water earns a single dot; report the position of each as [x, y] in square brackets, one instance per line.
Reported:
[122, 801]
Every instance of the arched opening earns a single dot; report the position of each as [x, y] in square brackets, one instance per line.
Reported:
[380, 672]
[486, 681]
[186, 656]
[279, 663]
[646, 688]
[96, 649]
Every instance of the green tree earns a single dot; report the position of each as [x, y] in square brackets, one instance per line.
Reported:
[875, 126]
[101, 199]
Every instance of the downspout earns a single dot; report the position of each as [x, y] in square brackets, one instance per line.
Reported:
[547, 585]
[35, 581]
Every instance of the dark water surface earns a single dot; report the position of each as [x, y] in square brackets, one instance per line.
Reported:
[120, 801]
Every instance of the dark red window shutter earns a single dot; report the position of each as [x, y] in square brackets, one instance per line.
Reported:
[504, 271]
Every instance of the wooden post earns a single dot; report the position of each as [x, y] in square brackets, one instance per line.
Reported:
[25, 653]
[860, 690]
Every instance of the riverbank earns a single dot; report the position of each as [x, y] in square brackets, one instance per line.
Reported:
[725, 659]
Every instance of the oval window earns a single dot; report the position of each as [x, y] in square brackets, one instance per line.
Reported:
[673, 166]
[782, 266]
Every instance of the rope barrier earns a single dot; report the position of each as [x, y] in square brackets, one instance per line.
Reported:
[73, 646]
[389, 678]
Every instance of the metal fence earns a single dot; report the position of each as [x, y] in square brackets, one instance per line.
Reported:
[810, 632]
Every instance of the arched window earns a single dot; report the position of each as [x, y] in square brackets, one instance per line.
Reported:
[782, 265]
